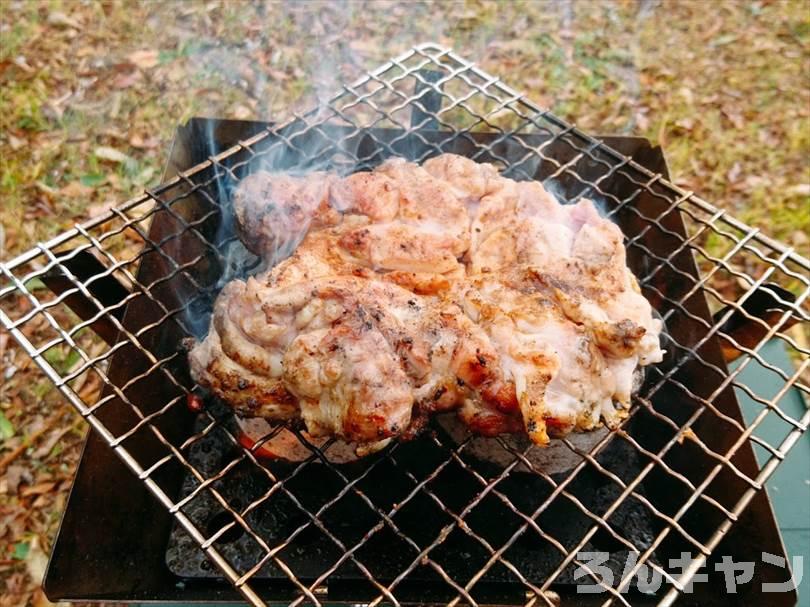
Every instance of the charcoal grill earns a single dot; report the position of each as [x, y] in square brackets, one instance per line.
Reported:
[183, 512]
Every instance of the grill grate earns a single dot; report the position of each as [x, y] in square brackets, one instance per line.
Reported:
[675, 476]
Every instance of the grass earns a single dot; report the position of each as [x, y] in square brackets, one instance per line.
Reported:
[724, 91]
[722, 86]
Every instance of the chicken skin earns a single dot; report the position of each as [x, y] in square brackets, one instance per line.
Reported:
[407, 291]
[355, 355]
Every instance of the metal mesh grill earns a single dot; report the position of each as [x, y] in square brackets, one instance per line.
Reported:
[682, 432]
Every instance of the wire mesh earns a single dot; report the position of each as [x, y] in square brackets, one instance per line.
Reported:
[432, 99]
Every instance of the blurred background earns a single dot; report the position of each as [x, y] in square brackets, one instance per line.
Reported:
[91, 92]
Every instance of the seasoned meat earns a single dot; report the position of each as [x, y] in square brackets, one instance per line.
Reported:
[468, 180]
[275, 211]
[411, 290]
[560, 376]
[354, 355]
[574, 254]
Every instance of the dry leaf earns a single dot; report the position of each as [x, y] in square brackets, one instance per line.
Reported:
[15, 583]
[62, 20]
[799, 238]
[114, 133]
[126, 80]
[45, 448]
[111, 154]
[140, 143]
[21, 63]
[687, 95]
[734, 172]
[734, 117]
[76, 189]
[36, 562]
[15, 143]
[277, 74]
[144, 59]
[241, 112]
[685, 123]
[15, 474]
[37, 489]
[96, 210]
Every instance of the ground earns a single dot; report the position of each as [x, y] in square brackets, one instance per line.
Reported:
[90, 94]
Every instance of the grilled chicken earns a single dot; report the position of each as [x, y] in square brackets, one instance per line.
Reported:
[407, 291]
[573, 253]
[275, 211]
[356, 356]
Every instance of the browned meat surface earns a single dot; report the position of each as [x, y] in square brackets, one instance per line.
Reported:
[274, 211]
[412, 290]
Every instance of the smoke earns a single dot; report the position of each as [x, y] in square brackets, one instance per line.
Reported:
[568, 195]
[301, 56]
[284, 63]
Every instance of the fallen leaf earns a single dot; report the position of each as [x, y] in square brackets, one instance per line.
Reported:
[114, 134]
[685, 123]
[362, 46]
[45, 188]
[15, 583]
[37, 489]
[15, 474]
[734, 172]
[36, 562]
[62, 20]
[277, 74]
[144, 59]
[36, 425]
[13, 524]
[723, 40]
[111, 154]
[800, 238]
[735, 117]
[46, 447]
[15, 143]
[41, 501]
[96, 210]
[126, 80]
[242, 112]
[755, 181]
[76, 189]
[140, 143]
[21, 63]
[687, 95]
